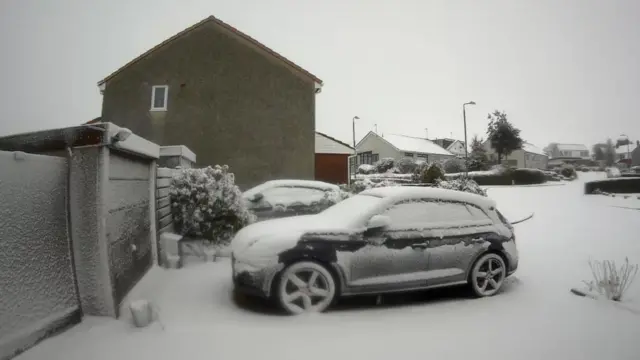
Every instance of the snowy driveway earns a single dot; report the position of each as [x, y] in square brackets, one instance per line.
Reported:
[534, 318]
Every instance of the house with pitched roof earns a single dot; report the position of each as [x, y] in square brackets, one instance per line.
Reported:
[529, 156]
[374, 147]
[224, 95]
[456, 147]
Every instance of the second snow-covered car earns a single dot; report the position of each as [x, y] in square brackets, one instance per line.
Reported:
[285, 198]
[383, 240]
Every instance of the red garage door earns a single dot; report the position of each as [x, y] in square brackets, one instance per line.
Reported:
[332, 168]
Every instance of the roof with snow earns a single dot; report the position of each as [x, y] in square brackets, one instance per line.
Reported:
[572, 147]
[326, 144]
[411, 192]
[622, 149]
[415, 144]
[530, 148]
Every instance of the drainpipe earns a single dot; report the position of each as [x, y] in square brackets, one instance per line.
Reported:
[69, 232]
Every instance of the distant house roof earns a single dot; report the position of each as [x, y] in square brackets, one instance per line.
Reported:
[622, 149]
[326, 144]
[530, 148]
[214, 20]
[415, 144]
[572, 147]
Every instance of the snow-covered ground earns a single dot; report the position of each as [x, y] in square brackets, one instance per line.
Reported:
[535, 317]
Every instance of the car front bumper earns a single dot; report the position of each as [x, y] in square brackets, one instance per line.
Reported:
[254, 276]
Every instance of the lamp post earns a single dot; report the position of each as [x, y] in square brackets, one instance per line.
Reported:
[628, 152]
[466, 145]
[353, 121]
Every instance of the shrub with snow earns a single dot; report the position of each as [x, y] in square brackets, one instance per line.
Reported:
[333, 197]
[432, 173]
[366, 169]
[462, 184]
[609, 280]
[383, 165]
[361, 185]
[207, 203]
[567, 171]
[406, 165]
[454, 165]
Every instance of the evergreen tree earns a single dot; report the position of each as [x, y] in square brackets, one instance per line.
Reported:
[503, 136]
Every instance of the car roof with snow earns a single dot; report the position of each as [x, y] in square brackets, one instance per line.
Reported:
[292, 183]
[411, 192]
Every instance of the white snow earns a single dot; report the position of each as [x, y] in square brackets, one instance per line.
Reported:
[415, 144]
[535, 316]
[288, 191]
[622, 150]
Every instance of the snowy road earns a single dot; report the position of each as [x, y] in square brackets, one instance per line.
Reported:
[534, 318]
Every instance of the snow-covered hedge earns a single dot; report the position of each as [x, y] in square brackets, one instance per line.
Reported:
[361, 185]
[383, 165]
[464, 184]
[454, 165]
[366, 169]
[207, 203]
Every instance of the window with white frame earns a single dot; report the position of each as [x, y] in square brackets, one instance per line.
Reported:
[159, 97]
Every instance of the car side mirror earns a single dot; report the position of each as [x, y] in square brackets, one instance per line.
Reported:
[257, 197]
[378, 222]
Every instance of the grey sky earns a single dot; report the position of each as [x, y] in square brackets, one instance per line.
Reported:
[563, 70]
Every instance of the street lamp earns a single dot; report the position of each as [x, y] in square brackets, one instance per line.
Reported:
[628, 152]
[466, 151]
[354, 133]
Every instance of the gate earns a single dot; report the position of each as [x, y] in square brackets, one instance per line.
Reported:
[37, 289]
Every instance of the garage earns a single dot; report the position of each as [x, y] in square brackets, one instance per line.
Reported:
[332, 158]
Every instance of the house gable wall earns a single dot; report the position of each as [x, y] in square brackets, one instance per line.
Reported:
[227, 102]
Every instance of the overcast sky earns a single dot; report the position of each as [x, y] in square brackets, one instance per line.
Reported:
[563, 70]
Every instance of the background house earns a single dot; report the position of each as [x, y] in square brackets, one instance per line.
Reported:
[332, 159]
[625, 154]
[225, 96]
[529, 156]
[374, 147]
[577, 151]
[456, 147]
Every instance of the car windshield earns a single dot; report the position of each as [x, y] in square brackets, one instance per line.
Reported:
[348, 213]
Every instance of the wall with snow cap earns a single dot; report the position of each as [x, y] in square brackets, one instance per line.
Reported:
[37, 290]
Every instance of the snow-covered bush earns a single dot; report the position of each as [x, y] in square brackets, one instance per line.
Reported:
[333, 197]
[526, 176]
[383, 165]
[569, 172]
[453, 166]
[406, 165]
[462, 184]
[432, 173]
[613, 172]
[207, 203]
[366, 169]
[609, 280]
[361, 185]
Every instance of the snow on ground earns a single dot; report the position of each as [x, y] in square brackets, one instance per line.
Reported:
[535, 317]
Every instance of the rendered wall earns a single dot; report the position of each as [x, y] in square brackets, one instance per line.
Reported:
[37, 292]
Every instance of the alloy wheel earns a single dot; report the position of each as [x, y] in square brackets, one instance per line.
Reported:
[306, 287]
[488, 275]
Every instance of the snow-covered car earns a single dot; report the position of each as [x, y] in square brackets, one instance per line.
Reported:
[385, 239]
[285, 198]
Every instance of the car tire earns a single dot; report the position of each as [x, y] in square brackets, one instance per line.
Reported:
[487, 275]
[305, 287]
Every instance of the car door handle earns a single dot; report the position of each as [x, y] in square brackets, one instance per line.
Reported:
[423, 245]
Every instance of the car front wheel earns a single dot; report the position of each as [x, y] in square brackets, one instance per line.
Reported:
[305, 287]
[487, 275]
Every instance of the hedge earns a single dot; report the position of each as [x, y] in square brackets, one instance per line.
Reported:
[625, 185]
[509, 177]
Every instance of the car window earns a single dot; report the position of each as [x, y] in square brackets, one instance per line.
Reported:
[292, 195]
[429, 212]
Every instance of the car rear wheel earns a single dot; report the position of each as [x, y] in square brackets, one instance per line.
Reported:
[487, 275]
[305, 287]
